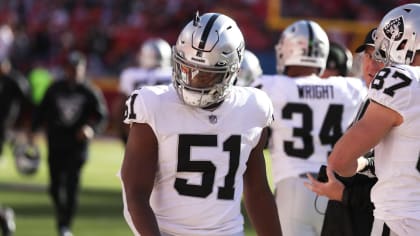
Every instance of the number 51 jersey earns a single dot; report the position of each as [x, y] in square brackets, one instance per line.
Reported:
[202, 156]
[310, 115]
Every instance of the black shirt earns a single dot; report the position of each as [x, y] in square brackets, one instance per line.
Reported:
[65, 109]
[353, 216]
[14, 91]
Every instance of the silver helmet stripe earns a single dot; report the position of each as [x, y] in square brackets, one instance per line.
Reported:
[206, 31]
[310, 38]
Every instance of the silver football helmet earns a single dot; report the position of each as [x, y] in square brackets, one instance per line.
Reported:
[396, 38]
[303, 43]
[206, 59]
[155, 53]
[250, 69]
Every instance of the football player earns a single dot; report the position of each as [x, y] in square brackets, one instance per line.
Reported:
[350, 197]
[311, 113]
[390, 124]
[14, 91]
[14, 103]
[154, 60]
[72, 111]
[250, 69]
[196, 146]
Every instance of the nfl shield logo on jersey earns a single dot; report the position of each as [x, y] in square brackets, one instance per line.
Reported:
[213, 119]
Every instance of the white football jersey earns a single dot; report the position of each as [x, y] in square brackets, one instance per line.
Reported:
[202, 156]
[310, 115]
[396, 195]
[135, 77]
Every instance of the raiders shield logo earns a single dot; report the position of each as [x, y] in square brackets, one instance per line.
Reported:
[394, 30]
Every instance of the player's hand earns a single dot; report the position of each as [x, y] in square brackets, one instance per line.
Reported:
[85, 133]
[333, 189]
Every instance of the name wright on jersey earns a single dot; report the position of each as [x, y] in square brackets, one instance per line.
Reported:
[316, 91]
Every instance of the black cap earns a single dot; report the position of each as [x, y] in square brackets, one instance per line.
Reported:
[369, 41]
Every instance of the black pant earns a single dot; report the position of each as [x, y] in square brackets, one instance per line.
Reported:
[2, 138]
[65, 167]
[354, 215]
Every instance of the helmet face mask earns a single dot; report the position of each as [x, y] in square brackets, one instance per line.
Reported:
[304, 43]
[397, 38]
[206, 59]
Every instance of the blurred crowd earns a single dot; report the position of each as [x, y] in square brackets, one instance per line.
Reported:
[367, 10]
[110, 32]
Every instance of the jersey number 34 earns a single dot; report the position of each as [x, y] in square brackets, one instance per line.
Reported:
[329, 133]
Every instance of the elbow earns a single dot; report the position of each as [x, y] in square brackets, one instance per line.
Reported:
[342, 168]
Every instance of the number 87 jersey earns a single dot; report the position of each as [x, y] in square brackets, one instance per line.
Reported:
[310, 115]
[397, 154]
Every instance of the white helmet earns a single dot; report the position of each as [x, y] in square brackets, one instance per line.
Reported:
[6, 41]
[304, 43]
[250, 69]
[155, 53]
[27, 158]
[206, 59]
[396, 38]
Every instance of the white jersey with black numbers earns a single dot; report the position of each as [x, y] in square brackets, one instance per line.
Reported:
[310, 115]
[396, 195]
[134, 78]
[202, 156]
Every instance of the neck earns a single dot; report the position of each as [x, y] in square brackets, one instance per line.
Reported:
[298, 71]
[416, 61]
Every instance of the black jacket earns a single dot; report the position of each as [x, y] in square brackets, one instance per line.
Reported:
[353, 216]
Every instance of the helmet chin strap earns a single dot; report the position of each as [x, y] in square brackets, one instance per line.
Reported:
[411, 53]
[213, 107]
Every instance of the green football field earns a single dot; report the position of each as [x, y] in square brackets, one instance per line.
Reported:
[100, 204]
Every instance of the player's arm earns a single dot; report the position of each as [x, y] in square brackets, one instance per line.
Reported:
[377, 121]
[138, 174]
[117, 116]
[333, 189]
[258, 198]
[125, 88]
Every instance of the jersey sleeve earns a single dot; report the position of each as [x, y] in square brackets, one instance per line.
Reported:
[266, 107]
[124, 84]
[269, 112]
[359, 88]
[391, 87]
[136, 109]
